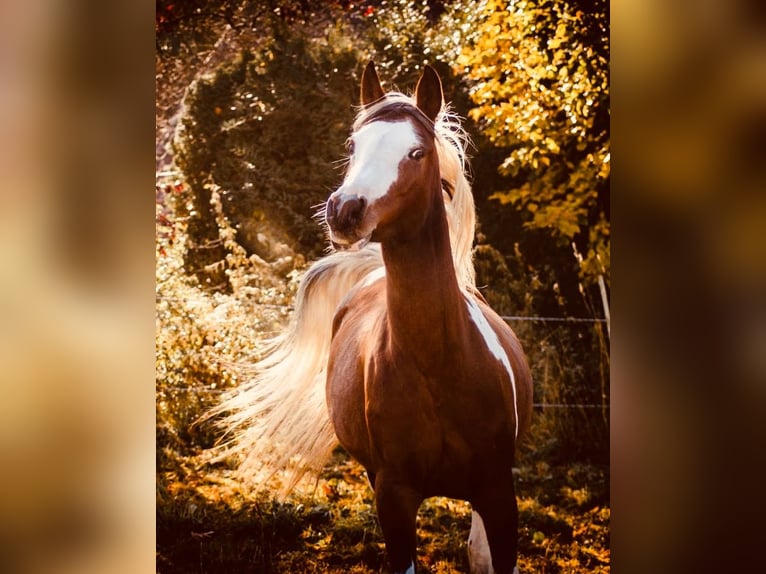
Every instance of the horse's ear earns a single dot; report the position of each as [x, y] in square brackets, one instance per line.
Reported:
[371, 88]
[428, 93]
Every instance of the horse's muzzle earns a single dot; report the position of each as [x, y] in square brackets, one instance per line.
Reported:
[344, 214]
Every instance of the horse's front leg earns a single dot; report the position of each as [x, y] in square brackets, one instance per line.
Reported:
[397, 506]
[499, 513]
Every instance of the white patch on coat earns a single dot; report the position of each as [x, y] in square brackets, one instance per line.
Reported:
[479, 556]
[494, 346]
[379, 147]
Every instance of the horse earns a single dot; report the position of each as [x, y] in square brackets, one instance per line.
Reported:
[303, 399]
[276, 420]
[427, 387]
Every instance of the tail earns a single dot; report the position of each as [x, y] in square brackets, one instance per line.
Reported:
[278, 419]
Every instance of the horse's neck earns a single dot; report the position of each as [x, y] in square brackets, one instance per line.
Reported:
[425, 304]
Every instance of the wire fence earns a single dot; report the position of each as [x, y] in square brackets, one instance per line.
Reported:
[507, 318]
[554, 319]
[504, 317]
[211, 391]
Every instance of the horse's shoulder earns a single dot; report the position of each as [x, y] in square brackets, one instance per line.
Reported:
[497, 324]
[476, 294]
[493, 317]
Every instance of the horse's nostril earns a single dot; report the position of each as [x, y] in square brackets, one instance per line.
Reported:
[331, 209]
[345, 212]
[353, 209]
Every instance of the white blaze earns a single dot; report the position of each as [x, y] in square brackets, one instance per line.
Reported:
[379, 147]
[494, 346]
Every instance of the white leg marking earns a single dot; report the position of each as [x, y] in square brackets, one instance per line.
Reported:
[479, 557]
[494, 346]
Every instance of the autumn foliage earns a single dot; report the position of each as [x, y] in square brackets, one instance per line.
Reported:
[539, 80]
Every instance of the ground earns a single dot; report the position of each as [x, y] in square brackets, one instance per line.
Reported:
[208, 522]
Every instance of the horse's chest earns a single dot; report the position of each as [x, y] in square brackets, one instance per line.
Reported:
[438, 417]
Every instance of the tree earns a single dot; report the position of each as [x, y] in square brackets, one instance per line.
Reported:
[539, 80]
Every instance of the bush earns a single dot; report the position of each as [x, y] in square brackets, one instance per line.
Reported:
[203, 334]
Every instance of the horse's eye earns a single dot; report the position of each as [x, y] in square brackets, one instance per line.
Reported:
[417, 153]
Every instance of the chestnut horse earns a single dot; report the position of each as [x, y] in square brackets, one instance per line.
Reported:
[427, 387]
[277, 421]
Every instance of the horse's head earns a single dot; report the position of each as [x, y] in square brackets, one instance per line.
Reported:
[393, 166]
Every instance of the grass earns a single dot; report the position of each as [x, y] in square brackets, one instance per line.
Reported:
[208, 522]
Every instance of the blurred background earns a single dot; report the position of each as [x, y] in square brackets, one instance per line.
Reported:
[79, 416]
[689, 213]
[76, 260]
